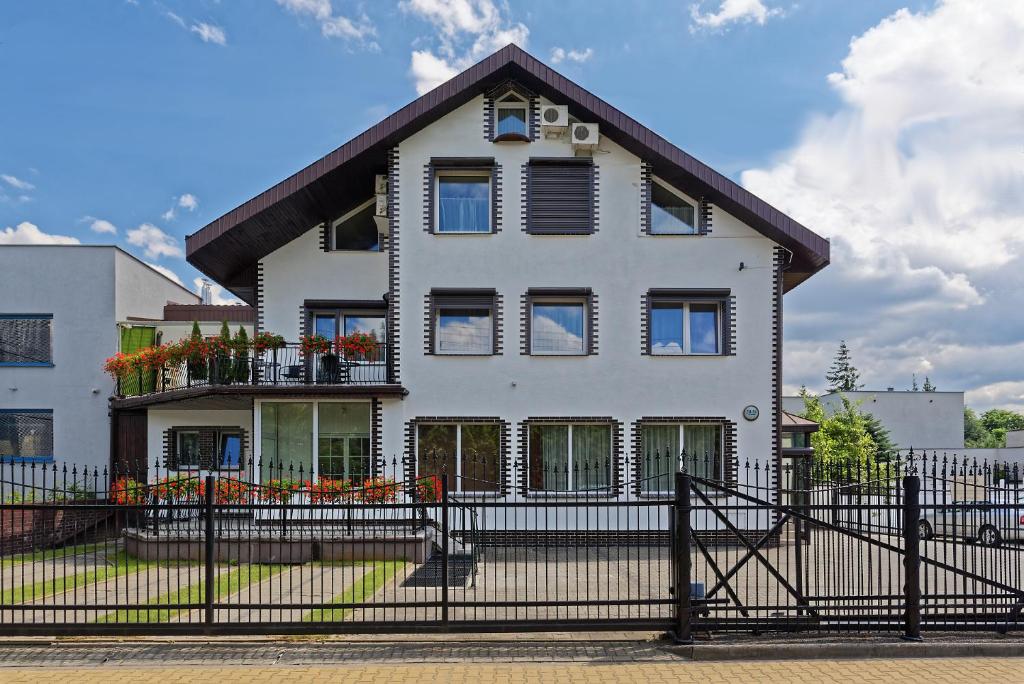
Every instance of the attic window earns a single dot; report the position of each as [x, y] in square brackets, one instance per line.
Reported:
[357, 231]
[670, 213]
[511, 120]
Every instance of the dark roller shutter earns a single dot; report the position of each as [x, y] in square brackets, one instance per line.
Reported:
[560, 196]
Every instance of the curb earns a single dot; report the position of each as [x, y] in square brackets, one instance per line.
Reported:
[852, 651]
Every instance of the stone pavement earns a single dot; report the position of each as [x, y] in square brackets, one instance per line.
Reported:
[958, 671]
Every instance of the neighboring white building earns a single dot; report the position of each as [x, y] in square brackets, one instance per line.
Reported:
[60, 308]
[553, 306]
[919, 420]
[1015, 438]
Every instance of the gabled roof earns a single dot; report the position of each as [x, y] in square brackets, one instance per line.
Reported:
[228, 248]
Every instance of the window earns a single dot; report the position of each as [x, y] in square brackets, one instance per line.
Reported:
[286, 440]
[463, 202]
[688, 322]
[560, 196]
[670, 213]
[358, 231]
[26, 435]
[560, 321]
[463, 322]
[570, 457]
[343, 440]
[230, 450]
[25, 340]
[469, 452]
[511, 120]
[699, 446]
[189, 454]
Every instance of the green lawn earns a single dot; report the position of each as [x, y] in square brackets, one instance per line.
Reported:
[49, 554]
[362, 590]
[225, 584]
[117, 565]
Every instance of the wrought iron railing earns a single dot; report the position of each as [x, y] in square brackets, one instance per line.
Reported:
[287, 365]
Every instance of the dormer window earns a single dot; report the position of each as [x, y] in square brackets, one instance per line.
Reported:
[511, 120]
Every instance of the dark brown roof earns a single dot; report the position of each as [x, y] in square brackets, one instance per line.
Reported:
[793, 423]
[228, 248]
[233, 313]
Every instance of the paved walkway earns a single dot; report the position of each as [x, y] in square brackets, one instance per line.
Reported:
[988, 670]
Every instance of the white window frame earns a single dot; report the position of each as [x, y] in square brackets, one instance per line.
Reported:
[336, 225]
[178, 450]
[685, 305]
[571, 490]
[560, 301]
[512, 101]
[458, 455]
[682, 446]
[455, 171]
[456, 307]
[686, 198]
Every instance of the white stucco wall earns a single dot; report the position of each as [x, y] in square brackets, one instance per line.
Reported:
[922, 420]
[1015, 438]
[301, 270]
[142, 292]
[160, 420]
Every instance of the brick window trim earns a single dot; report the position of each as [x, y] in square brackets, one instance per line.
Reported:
[727, 323]
[483, 298]
[207, 445]
[504, 451]
[449, 164]
[530, 101]
[524, 449]
[730, 463]
[584, 294]
[703, 210]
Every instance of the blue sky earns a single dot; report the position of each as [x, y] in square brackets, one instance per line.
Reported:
[154, 118]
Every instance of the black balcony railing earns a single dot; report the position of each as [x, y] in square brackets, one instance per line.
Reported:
[287, 365]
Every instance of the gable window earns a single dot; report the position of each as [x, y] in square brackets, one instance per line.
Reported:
[683, 323]
[463, 202]
[463, 322]
[511, 113]
[26, 435]
[469, 452]
[670, 213]
[571, 457]
[357, 231]
[25, 340]
[560, 196]
[699, 446]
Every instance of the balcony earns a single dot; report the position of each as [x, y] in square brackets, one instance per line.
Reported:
[284, 367]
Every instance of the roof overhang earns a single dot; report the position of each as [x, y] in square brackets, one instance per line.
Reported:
[228, 249]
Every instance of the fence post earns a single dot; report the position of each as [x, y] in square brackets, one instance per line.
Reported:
[912, 557]
[684, 572]
[210, 551]
[444, 546]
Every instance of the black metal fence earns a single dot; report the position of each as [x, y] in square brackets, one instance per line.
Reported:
[287, 365]
[904, 546]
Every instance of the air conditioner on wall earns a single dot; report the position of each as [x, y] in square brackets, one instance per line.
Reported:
[380, 184]
[381, 207]
[584, 136]
[554, 120]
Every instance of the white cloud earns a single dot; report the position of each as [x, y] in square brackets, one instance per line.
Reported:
[29, 234]
[188, 201]
[165, 271]
[919, 178]
[332, 25]
[559, 55]
[98, 225]
[16, 183]
[466, 32]
[731, 12]
[154, 241]
[218, 295]
[210, 33]
[169, 214]
[175, 18]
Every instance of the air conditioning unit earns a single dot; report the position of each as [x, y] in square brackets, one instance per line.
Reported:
[554, 119]
[584, 136]
[380, 184]
[381, 207]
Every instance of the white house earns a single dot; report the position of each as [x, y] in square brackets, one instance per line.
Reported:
[60, 309]
[558, 293]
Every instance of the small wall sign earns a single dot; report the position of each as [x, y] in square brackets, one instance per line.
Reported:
[751, 412]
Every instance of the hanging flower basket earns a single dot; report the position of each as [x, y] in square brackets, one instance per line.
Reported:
[313, 345]
[264, 341]
[357, 346]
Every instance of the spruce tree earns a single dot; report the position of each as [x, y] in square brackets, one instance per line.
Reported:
[843, 375]
[928, 386]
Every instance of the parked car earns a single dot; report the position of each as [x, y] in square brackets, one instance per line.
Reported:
[988, 522]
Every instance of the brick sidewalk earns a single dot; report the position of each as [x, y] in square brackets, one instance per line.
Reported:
[988, 670]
